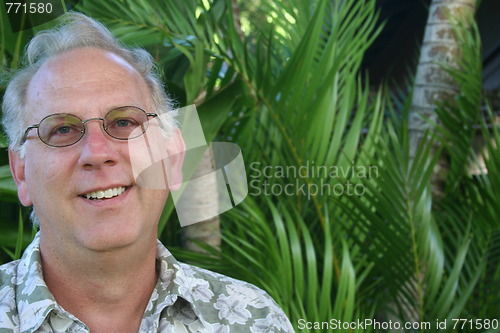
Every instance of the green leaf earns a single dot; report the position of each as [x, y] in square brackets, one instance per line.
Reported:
[8, 188]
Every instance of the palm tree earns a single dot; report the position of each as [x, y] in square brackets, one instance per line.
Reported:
[14, 235]
[433, 83]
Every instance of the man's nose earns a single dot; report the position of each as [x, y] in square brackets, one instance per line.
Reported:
[98, 149]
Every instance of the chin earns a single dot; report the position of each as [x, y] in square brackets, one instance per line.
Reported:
[107, 238]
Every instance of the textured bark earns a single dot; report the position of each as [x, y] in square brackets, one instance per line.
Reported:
[203, 200]
[432, 83]
[208, 231]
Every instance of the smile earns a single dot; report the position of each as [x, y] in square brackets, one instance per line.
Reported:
[105, 194]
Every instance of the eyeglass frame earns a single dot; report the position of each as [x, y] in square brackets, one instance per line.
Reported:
[37, 126]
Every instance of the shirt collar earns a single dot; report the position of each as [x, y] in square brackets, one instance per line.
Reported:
[170, 286]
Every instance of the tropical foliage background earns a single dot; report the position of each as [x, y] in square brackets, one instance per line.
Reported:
[283, 81]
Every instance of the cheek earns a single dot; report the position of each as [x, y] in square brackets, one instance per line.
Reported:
[155, 200]
[148, 158]
[45, 174]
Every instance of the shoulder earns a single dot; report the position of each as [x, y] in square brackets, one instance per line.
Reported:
[237, 302]
[8, 315]
[8, 276]
[224, 285]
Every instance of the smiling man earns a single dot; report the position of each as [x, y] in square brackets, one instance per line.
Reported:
[72, 116]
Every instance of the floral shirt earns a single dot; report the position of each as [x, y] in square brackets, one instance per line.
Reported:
[186, 299]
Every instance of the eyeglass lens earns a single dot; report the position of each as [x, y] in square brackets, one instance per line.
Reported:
[65, 129]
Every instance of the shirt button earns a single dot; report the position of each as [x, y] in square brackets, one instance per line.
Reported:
[59, 324]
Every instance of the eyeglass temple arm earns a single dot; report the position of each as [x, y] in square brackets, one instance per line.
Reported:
[25, 136]
[155, 115]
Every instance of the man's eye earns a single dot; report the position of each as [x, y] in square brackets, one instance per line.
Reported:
[125, 122]
[61, 130]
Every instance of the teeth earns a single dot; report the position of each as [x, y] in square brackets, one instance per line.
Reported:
[109, 193]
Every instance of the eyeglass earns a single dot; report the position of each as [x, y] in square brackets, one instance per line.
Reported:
[65, 129]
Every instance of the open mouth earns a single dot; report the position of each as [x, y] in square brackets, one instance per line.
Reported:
[105, 194]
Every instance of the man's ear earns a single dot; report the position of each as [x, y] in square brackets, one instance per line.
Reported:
[18, 168]
[176, 152]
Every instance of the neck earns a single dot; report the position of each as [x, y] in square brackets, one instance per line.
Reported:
[109, 290]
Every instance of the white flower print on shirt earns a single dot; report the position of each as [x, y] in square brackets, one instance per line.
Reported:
[199, 288]
[233, 309]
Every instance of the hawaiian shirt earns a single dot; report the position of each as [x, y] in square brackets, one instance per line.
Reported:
[186, 299]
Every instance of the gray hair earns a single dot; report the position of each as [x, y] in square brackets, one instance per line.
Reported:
[76, 30]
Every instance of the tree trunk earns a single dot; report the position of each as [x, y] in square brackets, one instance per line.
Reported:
[202, 199]
[208, 231]
[433, 84]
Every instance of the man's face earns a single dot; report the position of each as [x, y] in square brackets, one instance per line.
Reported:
[88, 83]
